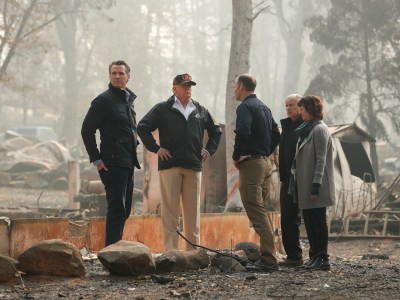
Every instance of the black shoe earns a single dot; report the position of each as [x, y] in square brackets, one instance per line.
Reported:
[319, 264]
[287, 262]
[261, 266]
[310, 261]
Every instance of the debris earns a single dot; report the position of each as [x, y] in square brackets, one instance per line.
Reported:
[375, 256]
[161, 279]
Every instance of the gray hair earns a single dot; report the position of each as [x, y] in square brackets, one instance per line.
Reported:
[294, 96]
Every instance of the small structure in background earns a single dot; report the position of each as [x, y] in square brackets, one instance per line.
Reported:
[35, 133]
[32, 164]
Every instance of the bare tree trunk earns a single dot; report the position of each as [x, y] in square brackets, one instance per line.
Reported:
[292, 35]
[66, 29]
[218, 66]
[239, 63]
[371, 119]
[145, 94]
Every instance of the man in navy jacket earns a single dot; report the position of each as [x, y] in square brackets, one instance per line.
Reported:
[257, 136]
[113, 114]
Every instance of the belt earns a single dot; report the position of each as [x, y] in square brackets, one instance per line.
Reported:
[257, 156]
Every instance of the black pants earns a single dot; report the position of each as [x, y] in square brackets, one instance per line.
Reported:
[317, 231]
[118, 183]
[290, 222]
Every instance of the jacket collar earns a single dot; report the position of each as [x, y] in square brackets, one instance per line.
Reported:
[288, 121]
[171, 101]
[309, 135]
[121, 93]
[250, 96]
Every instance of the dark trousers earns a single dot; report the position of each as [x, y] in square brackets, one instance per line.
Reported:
[290, 222]
[118, 183]
[317, 231]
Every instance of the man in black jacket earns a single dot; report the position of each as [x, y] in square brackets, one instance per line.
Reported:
[257, 136]
[290, 213]
[181, 122]
[113, 114]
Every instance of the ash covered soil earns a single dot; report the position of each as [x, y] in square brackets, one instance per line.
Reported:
[361, 269]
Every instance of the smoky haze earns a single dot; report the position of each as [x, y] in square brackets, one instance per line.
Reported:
[55, 57]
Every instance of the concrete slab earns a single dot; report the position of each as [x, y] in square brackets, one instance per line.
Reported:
[217, 231]
[25, 232]
[144, 229]
[95, 235]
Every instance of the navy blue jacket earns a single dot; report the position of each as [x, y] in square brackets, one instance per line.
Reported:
[114, 116]
[183, 138]
[256, 131]
[287, 147]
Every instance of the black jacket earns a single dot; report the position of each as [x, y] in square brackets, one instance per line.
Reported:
[114, 116]
[184, 139]
[256, 131]
[287, 147]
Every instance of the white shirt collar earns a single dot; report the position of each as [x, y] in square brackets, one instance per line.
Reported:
[190, 107]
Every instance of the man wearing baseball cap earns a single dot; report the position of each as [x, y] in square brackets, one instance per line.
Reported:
[181, 122]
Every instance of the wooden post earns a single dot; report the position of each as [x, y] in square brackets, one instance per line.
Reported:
[74, 183]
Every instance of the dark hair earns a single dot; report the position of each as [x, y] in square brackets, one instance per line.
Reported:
[248, 81]
[120, 63]
[313, 105]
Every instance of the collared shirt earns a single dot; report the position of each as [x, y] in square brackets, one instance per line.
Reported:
[185, 111]
[127, 96]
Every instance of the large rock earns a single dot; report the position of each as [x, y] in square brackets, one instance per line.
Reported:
[229, 265]
[197, 259]
[251, 249]
[8, 270]
[127, 258]
[52, 257]
[238, 255]
[172, 261]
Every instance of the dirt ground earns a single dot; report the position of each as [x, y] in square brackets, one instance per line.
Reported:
[361, 269]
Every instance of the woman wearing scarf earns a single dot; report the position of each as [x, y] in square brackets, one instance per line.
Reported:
[313, 180]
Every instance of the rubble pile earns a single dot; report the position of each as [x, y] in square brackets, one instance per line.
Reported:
[26, 164]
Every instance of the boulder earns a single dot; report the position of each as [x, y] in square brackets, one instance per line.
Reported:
[8, 270]
[238, 255]
[197, 259]
[229, 265]
[172, 261]
[127, 258]
[52, 257]
[251, 249]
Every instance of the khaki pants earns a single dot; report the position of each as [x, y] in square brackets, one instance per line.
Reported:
[254, 180]
[180, 186]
